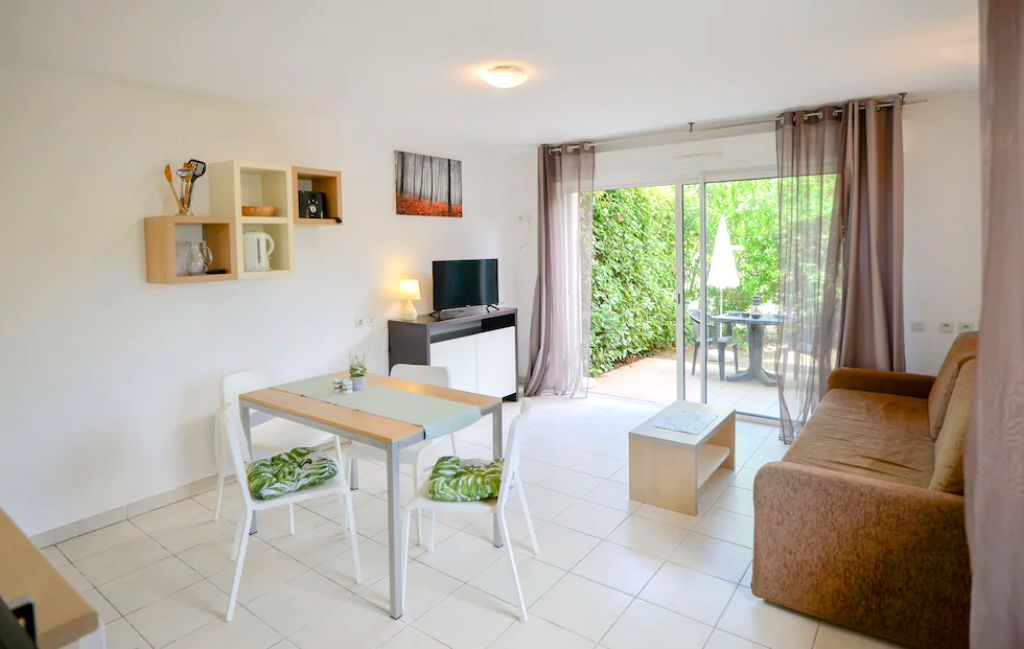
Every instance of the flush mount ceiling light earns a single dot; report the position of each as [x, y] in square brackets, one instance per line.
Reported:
[504, 76]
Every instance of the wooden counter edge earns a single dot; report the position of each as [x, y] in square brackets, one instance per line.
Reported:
[62, 614]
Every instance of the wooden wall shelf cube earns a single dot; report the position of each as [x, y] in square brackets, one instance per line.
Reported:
[319, 180]
[233, 184]
[161, 251]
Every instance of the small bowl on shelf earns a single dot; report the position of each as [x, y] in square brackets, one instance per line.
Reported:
[258, 210]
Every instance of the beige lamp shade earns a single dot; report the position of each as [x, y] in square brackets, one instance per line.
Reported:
[409, 289]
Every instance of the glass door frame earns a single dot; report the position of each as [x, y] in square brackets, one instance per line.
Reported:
[702, 180]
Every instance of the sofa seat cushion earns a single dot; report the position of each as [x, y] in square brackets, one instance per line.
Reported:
[881, 436]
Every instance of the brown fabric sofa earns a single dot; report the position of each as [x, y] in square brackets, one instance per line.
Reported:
[862, 522]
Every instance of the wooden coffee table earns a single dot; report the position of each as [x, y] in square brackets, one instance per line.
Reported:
[666, 468]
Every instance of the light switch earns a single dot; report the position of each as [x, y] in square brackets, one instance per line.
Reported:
[917, 326]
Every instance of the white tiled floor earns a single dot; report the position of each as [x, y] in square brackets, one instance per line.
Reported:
[612, 573]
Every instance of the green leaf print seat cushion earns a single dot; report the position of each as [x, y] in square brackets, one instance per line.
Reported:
[289, 472]
[457, 481]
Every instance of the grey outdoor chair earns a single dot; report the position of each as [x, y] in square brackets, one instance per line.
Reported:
[713, 338]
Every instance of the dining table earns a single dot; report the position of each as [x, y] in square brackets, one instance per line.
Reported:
[755, 324]
[389, 414]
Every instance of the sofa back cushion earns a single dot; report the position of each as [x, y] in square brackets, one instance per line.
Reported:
[870, 434]
[949, 447]
[964, 348]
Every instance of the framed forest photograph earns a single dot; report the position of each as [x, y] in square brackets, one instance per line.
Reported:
[427, 186]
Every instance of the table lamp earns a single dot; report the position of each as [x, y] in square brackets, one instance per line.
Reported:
[409, 290]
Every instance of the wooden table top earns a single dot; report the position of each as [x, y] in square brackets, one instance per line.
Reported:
[62, 614]
[766, 319]
[649, 431]
[372, 426]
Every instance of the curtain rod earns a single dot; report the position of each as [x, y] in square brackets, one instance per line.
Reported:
[902, 97]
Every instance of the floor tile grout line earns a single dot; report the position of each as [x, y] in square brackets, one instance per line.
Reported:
[175, 592]
[128, 521]
[578, 450]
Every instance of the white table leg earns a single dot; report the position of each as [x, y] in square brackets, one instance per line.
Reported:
[243, 413]
[394, 529]
[497, 453]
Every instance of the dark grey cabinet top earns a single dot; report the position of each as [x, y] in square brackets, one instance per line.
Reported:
[431, 321]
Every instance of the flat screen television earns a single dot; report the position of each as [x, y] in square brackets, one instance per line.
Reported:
[465, 282]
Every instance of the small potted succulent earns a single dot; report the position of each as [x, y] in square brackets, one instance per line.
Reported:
[357, 370]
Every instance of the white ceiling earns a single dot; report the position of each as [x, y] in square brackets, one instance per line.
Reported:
[597, 67]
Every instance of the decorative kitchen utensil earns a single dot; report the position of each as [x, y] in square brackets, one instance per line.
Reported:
[170, 182]
[197, 258]
[258, 246]
[198, 171]
[184, 173]
[258, 210]
[186, 197]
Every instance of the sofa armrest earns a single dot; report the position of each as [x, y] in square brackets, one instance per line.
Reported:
[881, 557]
[901, 383]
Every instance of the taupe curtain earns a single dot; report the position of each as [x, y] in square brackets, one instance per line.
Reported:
[994, 463]
[560, 336]
[871, 197]
[810, 237]
[840, 249]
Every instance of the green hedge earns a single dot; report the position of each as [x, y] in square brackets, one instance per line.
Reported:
[634, 281]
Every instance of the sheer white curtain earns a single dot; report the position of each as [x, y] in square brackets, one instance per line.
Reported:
[810, 261]
[560, 335]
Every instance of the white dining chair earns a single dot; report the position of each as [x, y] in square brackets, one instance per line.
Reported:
[509, 475]
[231, 427]
[414, 454]
[270, 437]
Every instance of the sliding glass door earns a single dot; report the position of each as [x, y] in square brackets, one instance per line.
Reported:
[728, 279]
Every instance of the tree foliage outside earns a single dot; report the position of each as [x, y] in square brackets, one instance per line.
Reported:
[751, 211]
[634, 275]
[634, 282]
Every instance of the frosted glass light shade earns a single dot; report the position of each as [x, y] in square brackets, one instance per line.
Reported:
[504, 76]
[409, 289]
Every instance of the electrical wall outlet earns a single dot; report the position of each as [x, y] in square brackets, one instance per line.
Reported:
[917, 326]
[945, 327]
[360, 322]
[964, 326]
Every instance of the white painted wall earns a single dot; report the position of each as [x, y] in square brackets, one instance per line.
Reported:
[942, 264]
[942, 214]
[109, 384]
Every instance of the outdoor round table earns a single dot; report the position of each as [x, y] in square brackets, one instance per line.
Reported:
[755, 339]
